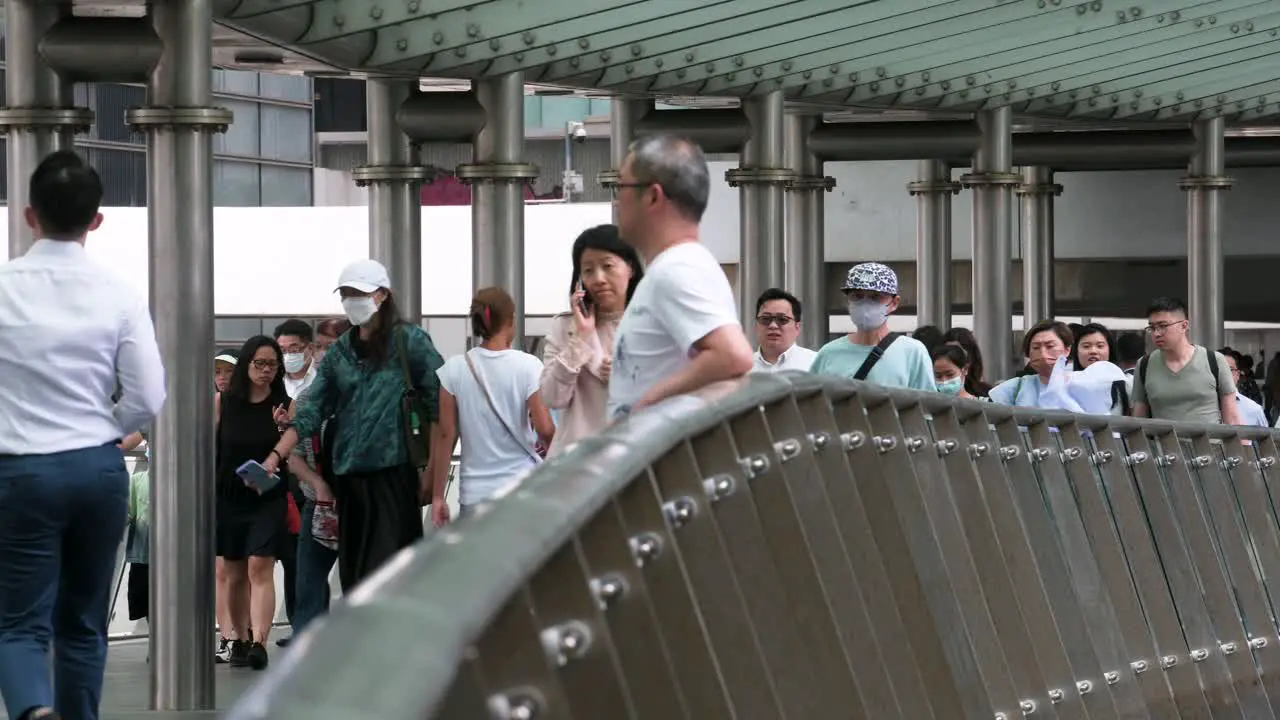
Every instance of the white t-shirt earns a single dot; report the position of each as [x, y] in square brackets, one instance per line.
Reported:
[490, 457]
[683, 297]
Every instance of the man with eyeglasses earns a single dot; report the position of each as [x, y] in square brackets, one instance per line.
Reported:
[1180, 380]
[777, 327]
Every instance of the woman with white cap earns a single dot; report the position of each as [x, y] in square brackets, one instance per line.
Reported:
[378, 385]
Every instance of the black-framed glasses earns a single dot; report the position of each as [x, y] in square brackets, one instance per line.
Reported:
[779, 320]
[266, 364]
[1158, 328]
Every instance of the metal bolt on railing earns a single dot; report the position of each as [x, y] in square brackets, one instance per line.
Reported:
[1102, 457]
[680, 511]
[719, 487]
[1266, 462]
[1069, 454]
[1198, 655]
[914, 444]
[1001, 716]
[787, 449]
[1136, 458]
[1084, 687]
[819, 441]
[754, 466]
[1139, 666]
[884, 443]
[567, 641]
[1168, 661]
[852, 440]
[1039, 454]
[977, 450]
[1228, 648]
[645, 547]
[1009, 452]
[516, 705]
[607, 589]
[945, 447]
[1111, 676]
[1056, 696]
[1027, 706]
[1230, 462]
[1258, 643]
[1166, 460]
[1199, 461]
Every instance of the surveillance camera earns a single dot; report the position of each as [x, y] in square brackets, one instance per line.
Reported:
[578, 132]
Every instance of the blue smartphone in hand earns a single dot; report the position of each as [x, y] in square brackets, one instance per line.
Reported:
[257, 477]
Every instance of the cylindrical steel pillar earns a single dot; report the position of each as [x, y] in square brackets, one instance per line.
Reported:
[805, 256]
[180, 124]
[933, 191]
[393, 177]
[993, 182]
[1204, 185]
[498, 176]
[760, 178]
[39, 117]
[623, 115]
[1037, 192]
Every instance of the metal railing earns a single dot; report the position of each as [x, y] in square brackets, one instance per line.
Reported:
[794, 546]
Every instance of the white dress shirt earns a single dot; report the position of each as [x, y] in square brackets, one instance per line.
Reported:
[793, 358]
[294, 388]
[69, 333]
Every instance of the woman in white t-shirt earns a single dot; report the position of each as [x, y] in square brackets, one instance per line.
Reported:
[490, 396]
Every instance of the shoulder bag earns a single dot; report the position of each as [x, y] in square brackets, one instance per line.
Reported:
[877, 352]
[413, 410]
[484, 388]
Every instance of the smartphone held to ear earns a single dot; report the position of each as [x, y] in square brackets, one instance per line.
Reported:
[584, 304]
[257, 477]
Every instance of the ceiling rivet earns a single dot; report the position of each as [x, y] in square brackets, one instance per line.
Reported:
[1213, 19]
[731, 76]
[1137, 93]
[1096, 5]
[757, 71]
[1081, 9]
[495, 44]
[375, 13]
[1160, 18]
[1031, 92]
[606, 56]
[738, 61]
[584, 43]
[964, 94]
[1135, 11]
[987, 89]
[636, 50]
[402, 44]
[1175, 16]
[853, 77]
[574, 62]
[339, 20]
[1179, 95]
[659, 63]
[710, 67]
[1222, 99]
[875, 87]
[520, 57]
[1012, 84]
[551, 50]
[1040, 4]
[1115, 97]
[807, 74]
[460, 52]
[680, 73]
[1121, 15]
[473, 30]
[414, 5]
[971, 81]
[1056, 85]
[920, 90]
[1248, 26]
[1235, 27]
[834, 69]
[1156, 101]
[881, 72]
[529, 38]
[786, 66]
[629, 69]
[925, 76]
[899, 81]
[827, 82]
[946, 85]
[437, 37]
[688, 57]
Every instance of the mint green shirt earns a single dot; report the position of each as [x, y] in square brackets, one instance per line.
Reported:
[905, 363]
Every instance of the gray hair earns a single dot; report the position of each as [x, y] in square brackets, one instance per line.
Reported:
[678, 167]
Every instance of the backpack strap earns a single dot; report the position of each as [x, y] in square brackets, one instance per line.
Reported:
[1212, 357]
[877, 352]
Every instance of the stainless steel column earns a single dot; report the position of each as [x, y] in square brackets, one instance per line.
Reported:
[1037, 192]
[39, 117]
[993, 182]
[498, 177]
[933, 191]
[180, 125]
[804, 269]
[760, 179]
[623, 114]
[1204, 185]
[394, 177]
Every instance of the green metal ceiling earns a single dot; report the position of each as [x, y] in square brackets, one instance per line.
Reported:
[1136, 60]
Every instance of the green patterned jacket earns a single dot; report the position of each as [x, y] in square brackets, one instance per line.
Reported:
[365, 401]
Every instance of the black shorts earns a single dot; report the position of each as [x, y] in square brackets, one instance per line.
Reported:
[246, 531]
[139, 591]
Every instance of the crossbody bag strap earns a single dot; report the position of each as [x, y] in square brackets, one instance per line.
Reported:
[403, 351]
[484, 388]
[877, 352]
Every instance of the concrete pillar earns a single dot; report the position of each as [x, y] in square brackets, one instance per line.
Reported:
[623, 115]
[805, 252]
[394, 176]
[1036, 194]
[1205, 184]
[933, 191]
[39, 117]
[760, 179]
[498, 177]
[179, 124]
[993, 182]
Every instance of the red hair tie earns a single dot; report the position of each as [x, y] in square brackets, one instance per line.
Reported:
[486, 316]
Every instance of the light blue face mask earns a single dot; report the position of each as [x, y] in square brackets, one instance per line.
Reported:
[868, 314]
[952, 386]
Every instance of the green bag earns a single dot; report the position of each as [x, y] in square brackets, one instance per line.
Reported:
[413, 411]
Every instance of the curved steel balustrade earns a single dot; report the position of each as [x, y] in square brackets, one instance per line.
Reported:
[792, 546]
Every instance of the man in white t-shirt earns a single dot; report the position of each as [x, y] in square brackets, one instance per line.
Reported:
[680, 332]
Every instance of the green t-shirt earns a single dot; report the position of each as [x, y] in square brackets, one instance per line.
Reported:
[1189, 395]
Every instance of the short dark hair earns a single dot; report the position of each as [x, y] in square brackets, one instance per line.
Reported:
[1084, 331]
[65, 193]
[1054, 326]
[1130, 347]
[300, 329]
[779, 294]
[930, 335]
[676, 165]
[1167, 305]
[605, 238]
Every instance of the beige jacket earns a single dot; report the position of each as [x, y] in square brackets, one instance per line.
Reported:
[571, 378]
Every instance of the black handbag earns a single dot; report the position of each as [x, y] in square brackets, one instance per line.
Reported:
[413, 411]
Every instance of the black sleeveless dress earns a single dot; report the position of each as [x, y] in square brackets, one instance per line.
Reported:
[248, 524]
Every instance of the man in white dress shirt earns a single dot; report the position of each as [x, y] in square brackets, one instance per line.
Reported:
[70, 334]
[680, 331]
[777, 329]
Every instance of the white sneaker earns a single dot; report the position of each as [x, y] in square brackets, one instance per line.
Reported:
[222, 655]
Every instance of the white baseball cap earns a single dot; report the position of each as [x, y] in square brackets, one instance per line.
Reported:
[365, 276]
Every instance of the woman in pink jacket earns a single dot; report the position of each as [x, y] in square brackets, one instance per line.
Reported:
[578, 356]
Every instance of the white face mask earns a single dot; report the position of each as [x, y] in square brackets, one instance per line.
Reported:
[360, 310]
[294, 362]
[868, 314]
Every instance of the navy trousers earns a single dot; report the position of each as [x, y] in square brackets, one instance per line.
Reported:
[315, 562]
[62, 518]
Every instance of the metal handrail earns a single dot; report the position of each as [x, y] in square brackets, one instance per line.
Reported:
[395, 647]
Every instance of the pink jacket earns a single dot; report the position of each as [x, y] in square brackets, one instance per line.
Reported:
[571, 378]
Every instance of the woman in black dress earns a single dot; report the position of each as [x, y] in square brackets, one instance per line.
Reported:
[249, 523]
